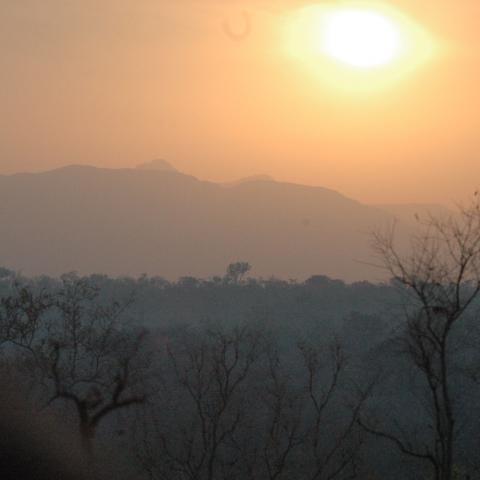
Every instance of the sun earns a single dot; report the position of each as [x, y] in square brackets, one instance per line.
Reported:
[358, 45]
[360, 38]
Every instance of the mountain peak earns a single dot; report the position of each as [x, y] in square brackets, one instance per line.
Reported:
[158, 165]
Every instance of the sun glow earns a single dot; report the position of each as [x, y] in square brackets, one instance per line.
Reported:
[358, 45]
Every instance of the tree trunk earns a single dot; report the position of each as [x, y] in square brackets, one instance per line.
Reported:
[87, 433]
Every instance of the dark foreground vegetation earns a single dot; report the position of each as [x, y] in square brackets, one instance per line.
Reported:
[237, 378]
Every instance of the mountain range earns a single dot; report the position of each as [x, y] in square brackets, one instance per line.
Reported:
[156, 220]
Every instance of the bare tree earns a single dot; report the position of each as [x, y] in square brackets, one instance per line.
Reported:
[441, 274]
[204, 394]
[302, 428]
[232, 407]
[271, 433]
[78, 349]
[332, 438]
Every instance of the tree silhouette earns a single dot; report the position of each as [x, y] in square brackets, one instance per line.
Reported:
[441, 274]
[237, 271]
[79, 350]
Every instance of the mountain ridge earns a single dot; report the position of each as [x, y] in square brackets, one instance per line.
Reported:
[131, 221]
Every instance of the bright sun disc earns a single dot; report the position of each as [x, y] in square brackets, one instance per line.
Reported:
[358, 45]
[360, 38]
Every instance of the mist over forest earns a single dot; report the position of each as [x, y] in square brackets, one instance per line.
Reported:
[237, 377]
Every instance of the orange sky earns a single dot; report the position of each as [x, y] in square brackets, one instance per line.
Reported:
[119, 82]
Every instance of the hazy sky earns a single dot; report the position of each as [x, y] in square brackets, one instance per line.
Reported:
[119, 82]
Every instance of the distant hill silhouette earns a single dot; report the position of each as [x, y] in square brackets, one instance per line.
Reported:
[161, 222]
[159, 165]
